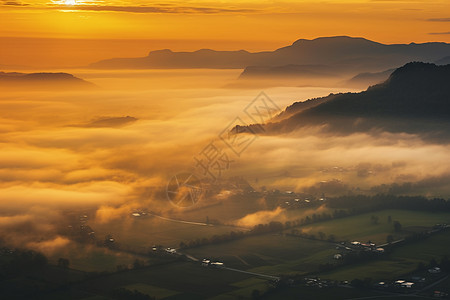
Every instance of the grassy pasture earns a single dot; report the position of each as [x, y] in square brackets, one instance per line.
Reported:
[277, 254]
[310, 293]
[361, 228]
[269, 253]
[90, 258]
[142, 233]
[150, 290]
[190, 281]
[402, 260]
[436, 247]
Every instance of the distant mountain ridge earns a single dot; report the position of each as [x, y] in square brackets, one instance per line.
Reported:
[288, 70]
[443, 61]
[415, 98]
[341, 52]
[42, 80]
[113, 122]
[368, 78]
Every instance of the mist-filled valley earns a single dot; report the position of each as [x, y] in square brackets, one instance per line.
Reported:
[223, 150]
[109, 153]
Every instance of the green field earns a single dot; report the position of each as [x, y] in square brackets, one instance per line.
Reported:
[142, 233]
[150, 290]
[270, 254]
[403, 260]
[361, 228]
[173, 280]
[278, 254]
[435, 246]
[98, 261]
[180, 280]
[442, 286]
[275, 254]
[310, 293]
[90, 258]
[245, 288]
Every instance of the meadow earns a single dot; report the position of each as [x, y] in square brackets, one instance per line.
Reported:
[181, 280]
[274, 254]
[402, 260]
[143, 233]
[269, 254]
[361, 227]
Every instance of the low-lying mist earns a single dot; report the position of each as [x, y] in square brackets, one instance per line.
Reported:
[56, 157]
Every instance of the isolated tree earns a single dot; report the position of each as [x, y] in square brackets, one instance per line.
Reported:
[357, 283]
[389, 219]
[275, 226]
[331, 238]
[433, 263]
[374, 219]
[138, 264]
[397, 226]
[121, 268]
[367, 281]
[321, 235]
[124, 294]
[39, 260]
[63, 263]
[421, 267]
[445, 264]
[256, 294]
[390, 238]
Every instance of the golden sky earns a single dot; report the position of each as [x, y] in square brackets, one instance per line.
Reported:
[188, 25]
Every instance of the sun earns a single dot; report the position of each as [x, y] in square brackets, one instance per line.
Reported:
[70, 2]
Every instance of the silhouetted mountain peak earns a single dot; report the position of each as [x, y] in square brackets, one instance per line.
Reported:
[415, 99]
[414, 67]
[160, 52]
[419, 75]
[336, 40]
[42, 80]
[50, 76]
[205, 50]
[300, 42]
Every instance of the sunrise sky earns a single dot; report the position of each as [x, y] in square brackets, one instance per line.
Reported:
[75, 32]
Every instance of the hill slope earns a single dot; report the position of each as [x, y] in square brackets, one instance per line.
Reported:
[44, 81]
[415, 99]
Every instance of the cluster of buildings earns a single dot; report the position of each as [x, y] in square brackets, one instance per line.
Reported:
[209, 263]
[171, 250]
[291, 200]
[397, 284]
[317, 282]
[357, 246]
[139, 213]
[369, 246]
[161, 249]
[413, 282]
[6, 251]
